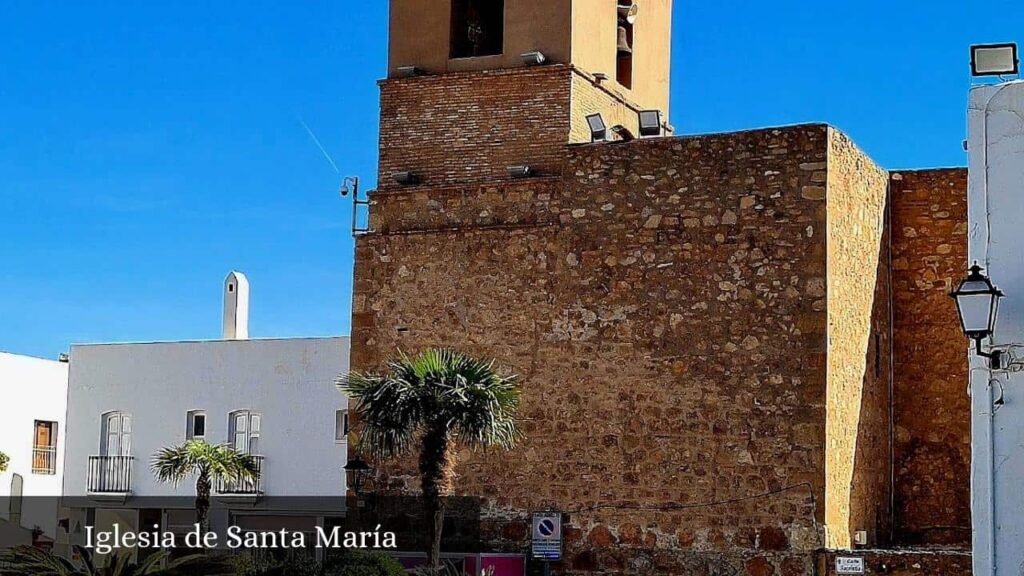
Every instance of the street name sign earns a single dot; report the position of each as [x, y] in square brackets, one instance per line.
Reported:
[847, 565]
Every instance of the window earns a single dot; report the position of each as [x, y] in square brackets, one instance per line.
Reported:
[341, 426]
[44, 448]
[244, 428]
[624, 70]
[117, 434]
[478, 28]
[196, 426]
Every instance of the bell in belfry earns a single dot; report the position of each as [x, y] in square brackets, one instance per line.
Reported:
[624, 48]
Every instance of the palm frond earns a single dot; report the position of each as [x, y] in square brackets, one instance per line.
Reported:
[194, 457]
[30, 561]
[438, 387]
[86, 555]
[153, 563]
[173, 464]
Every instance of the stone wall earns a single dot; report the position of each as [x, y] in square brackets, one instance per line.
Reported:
[903, 562]
[858, 423]
[664, 307]
[933, 440]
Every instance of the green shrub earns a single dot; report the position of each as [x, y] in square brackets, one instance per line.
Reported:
[357, 563]
[348, 563]
[247, 565]
[447, 570]
[295, 567]
[3, 462]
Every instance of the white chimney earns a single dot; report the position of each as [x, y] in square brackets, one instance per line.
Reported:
[236, 307]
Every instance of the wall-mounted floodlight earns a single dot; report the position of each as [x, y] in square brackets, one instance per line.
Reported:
[533, 58]
[995, 60]
[406, 178]
[520, 171]
[623, 133]
[650, 122]
[408, 72]
[598, 129]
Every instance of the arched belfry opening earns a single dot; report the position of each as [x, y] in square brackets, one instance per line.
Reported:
[478, 28]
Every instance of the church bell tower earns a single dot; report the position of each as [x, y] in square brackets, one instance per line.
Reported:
[475, 87]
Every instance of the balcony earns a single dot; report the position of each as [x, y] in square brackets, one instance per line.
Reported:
[44, 460]
[246, 490]
[109, 477]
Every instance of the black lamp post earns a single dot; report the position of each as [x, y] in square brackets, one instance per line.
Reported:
[977, 303]
[357, 472]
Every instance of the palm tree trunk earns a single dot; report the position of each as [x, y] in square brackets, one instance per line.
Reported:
[437, 471]
[203, 487]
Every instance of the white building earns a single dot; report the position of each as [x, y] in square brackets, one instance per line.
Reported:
[274, 399]
[996, 242]
[33, 401]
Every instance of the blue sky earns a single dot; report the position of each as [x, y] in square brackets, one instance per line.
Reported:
[147, 148]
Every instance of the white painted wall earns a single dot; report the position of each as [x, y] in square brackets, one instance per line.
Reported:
[996, 240]
[289, 381]
[31, 389]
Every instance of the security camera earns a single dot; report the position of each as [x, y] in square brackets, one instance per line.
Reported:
[344, 190]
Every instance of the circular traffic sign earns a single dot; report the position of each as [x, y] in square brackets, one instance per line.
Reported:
[546, 527]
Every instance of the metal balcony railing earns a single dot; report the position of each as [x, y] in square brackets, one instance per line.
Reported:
[244, 487]
[44, 460]
[110, 475]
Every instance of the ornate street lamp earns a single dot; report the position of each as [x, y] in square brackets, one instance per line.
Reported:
[977, 303]
[357, 472]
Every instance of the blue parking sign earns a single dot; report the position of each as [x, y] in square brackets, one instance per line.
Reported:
[547, 536]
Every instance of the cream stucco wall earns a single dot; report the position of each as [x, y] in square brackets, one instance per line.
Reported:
[583, 33]
[421, 30]
[595, 42]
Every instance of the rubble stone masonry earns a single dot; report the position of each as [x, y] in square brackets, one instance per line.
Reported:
[669, 306]
[858, 420]
[904, 562]
[933, 436]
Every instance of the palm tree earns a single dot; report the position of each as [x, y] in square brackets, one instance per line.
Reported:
[440, 398]
[29, 561]
[208, 462]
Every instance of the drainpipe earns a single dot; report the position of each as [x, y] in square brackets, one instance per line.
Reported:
[992, 475]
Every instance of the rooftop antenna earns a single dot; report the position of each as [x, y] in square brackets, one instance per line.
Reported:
[349, 184]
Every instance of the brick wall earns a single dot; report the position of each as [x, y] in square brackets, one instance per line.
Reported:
[470, 127]
[590, 98]
[664, 306]
[933, 441]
